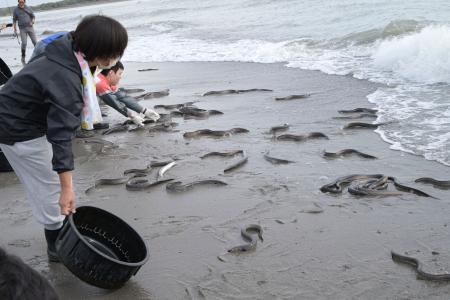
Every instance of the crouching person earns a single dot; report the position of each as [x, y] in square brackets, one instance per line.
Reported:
[42, 106]
[111, 95]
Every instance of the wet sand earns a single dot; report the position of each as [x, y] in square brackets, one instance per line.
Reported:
[342, 251]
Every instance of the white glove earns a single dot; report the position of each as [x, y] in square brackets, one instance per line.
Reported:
[151, 114]
[137, 119]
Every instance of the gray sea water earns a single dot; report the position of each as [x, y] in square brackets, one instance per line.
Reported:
[404, 45]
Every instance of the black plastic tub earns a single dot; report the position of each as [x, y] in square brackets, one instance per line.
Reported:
[100, 248]
[4, 164]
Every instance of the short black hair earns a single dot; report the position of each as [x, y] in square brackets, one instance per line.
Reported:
[115, 68]
[99, 36]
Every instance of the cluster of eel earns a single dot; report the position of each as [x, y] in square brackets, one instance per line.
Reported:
[361, 185]
[188, 110]
[360, 113]
[214, 133]
[294, 137]
[346, 152]
[236, 164]
[369, 185]
[376, 185]
[163, 124]
[229, 92]
[243, 159]
[137, 180]
[147, 95]
[232, 91]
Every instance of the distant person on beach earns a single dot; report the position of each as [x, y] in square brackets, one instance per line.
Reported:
[42, 106]
[108, 91]
[24, 16]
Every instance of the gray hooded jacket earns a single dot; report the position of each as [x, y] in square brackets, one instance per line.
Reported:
[45, 98]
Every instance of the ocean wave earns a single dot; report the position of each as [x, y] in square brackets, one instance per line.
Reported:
[403, 47]
[420, 57]
[394, 28]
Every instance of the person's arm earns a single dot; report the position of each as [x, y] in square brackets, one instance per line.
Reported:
[65, 102]
[132, 103]
[106, 93]
[111, 100]
[62, 122]
[67, 196]
[14, 21]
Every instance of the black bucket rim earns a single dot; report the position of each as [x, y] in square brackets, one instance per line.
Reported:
[82, 238]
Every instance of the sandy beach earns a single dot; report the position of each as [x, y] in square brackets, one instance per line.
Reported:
[316, 245]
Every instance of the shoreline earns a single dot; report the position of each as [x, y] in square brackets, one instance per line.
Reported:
[339, 252]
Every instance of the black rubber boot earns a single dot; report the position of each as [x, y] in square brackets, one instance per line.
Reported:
[23, 56]
[83, 134]
[103, 125]
[50, 236]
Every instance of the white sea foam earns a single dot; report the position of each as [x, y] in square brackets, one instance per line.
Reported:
[421, 57]
[171, 48]
[423, 126]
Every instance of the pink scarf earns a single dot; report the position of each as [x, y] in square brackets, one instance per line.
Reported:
[91, 113]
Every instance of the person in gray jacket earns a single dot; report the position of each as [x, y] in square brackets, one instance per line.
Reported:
[24, 16]
[40, 110]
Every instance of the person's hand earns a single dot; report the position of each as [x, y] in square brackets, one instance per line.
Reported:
[151, 114]
[138, 120]
[67, 201]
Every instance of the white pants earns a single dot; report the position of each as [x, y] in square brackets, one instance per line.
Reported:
[32, 163]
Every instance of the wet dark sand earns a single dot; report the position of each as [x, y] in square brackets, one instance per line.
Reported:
[340, 253]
